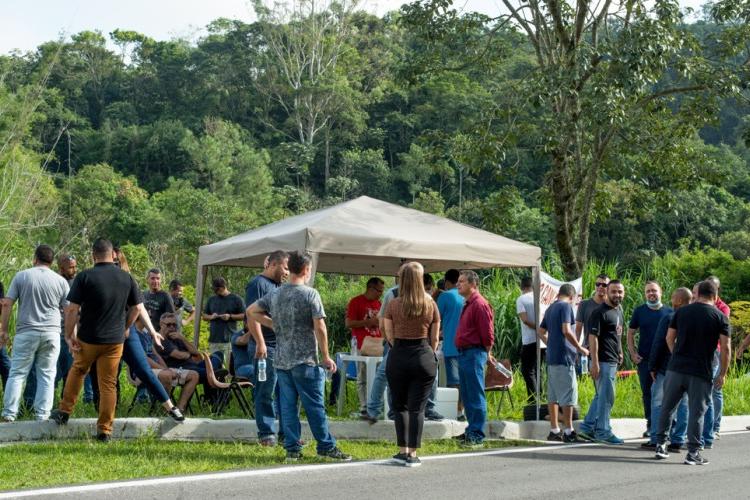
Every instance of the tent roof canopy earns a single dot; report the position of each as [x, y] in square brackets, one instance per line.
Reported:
[369, 236]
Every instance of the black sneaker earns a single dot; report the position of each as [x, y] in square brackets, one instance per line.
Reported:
[103, 437]
[367, 418]
[59, 417]
[571, 438]
[648, 446]
[460, 437]
[293, 456]
[661, 452]
[708, 446]
[176, 414]
[674, 448]
[336, 454]
[695, 458]
[413, 462]
[399, 458]
[555, 436]
[433, 416]
[647, 434]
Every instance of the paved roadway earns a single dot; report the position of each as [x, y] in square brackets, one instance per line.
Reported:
[572, 472]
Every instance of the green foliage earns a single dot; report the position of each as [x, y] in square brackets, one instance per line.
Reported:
[187, 217]
[105, 203]
[429, 201]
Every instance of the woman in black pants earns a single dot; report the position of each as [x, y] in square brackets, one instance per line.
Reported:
[412, 323]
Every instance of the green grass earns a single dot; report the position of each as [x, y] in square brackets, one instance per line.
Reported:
[627, 401]
[87, 461]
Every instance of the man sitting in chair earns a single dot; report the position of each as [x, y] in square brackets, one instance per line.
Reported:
[167, 377]
[178, 352]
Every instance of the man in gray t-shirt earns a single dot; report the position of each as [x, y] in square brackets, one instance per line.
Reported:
[41, 294]
[299, 324]
[294, 308]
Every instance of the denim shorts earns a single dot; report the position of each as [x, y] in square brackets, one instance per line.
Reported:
[451, 371]
[562, 386]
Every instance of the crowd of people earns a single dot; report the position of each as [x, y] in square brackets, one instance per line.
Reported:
[682, 357]
[73, 325]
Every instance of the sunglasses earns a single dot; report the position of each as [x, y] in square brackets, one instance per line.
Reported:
[171, 323]
[601, 284]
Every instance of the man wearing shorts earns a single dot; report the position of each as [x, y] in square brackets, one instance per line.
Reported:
[558, 326]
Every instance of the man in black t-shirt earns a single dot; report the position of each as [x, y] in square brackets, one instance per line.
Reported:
[105, 296]
[692, 336]
[155, 300]
[223, 310]
[605, 346]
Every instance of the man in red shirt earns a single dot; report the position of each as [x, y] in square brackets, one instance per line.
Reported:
[362, 319]
[474, 338]
[712, 418]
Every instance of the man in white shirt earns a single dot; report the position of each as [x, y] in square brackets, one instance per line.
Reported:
[525, 312]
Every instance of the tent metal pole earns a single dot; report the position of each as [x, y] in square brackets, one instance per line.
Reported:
[200, 281]
[537, 281]
[313, 268]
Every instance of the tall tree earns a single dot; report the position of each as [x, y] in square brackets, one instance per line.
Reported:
[300, 74]
[601, 69]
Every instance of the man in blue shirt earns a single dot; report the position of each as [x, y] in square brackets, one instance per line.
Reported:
[558, 326]
[263, 346]
[450, 304]
[646, 318]
[657, 366]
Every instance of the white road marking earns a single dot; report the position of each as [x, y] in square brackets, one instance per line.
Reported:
[289, 469]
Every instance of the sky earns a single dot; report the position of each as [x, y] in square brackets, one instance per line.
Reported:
[28, 23]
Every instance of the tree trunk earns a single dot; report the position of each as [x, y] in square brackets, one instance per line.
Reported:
[327, 173]
[563, 208]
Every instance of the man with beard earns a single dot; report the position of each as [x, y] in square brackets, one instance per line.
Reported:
[645, 319]
[692, 337]
[261, 344]
[605, 346]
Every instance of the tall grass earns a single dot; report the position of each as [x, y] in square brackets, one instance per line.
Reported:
[502, 287]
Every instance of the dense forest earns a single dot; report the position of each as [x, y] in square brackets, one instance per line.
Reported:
[166, 145]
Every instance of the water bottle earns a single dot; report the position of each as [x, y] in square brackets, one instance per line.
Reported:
[355, 351]
[584, 364]
[262, 370]
[501, 368]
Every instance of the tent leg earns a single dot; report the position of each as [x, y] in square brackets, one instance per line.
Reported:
[537, 282]
[313, 268]
[199, 284]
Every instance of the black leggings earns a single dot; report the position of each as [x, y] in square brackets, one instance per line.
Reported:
[411, 369]
[528, 368]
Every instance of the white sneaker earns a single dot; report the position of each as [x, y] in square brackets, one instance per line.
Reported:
[661, 452]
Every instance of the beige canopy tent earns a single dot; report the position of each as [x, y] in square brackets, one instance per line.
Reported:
[366, 236]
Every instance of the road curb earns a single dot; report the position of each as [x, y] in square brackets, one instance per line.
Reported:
[243, 430]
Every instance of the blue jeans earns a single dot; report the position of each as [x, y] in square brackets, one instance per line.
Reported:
[64, 362]
[712, 418]
[451, 371]
[305, 383]
[242, 357]
[135, 357]
[40, 349]
[644, 377]
[597, 418]
[378, 387]
[4, 365]
[678, 432]
[263, 394]
[471, 386]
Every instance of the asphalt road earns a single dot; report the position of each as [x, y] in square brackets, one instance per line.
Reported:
[574, 472]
